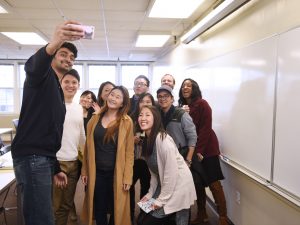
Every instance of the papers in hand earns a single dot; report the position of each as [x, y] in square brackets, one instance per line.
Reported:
[6, 161]
[146, 206]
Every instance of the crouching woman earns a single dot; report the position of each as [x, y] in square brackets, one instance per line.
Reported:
[171, 184]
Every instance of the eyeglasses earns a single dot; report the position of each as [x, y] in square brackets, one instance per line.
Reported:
[141, 84]
[163, 97]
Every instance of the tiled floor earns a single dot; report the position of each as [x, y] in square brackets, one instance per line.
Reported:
[12, 214]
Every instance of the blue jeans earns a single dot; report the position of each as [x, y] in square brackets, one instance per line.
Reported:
[34, 179]
[182, 217]
[177, 218]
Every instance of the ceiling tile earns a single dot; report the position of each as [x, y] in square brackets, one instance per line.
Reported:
[117, 24]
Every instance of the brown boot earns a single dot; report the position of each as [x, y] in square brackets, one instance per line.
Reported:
[201, 202]
[223, 221]
[219, 197]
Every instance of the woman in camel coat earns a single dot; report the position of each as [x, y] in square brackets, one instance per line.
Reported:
[113, 114]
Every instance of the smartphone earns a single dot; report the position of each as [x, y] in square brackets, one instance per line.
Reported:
[88, 31]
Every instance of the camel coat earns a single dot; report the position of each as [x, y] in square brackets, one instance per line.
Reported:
[122, 174]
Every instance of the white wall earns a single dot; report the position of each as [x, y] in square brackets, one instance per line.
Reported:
[258, 205]
[258, 20]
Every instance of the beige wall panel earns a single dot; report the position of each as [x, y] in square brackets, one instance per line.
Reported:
[256, 21]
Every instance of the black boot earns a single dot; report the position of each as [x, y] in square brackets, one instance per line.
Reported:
[201, 203]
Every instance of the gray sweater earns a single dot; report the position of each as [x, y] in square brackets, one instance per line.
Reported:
[182, 130]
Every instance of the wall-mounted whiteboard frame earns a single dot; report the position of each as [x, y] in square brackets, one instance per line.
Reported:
[240, 86]
[249, 90]
[287, 130]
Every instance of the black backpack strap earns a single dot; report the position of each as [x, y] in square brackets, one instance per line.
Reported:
[177, 115]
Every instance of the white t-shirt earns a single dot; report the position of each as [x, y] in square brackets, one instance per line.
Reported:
[73, 134]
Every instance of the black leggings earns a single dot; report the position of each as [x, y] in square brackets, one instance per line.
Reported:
[140, 172]
[104, 197]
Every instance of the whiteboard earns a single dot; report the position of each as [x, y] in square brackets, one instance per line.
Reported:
[254, 94]
[240, 87]
[287, 129]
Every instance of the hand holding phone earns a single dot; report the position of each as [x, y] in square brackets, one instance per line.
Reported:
[88, 30]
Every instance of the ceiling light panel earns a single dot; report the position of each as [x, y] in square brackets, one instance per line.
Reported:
[174, 8]
[25, 38]
[151, 41]
[2, 10]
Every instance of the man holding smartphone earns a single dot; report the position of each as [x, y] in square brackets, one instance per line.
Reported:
[41, 125]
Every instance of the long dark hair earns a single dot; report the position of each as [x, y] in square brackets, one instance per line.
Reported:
[100, 101]
[114, 125]
[157, 129]
[196, 92]
[136, 113]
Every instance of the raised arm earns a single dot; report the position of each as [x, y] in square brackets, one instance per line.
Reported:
[64, 32]
[38, 64]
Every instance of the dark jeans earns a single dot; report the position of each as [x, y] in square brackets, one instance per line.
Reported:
[140, 171]
[34, 179]
[104, 197]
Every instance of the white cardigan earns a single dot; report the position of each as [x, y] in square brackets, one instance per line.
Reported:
[177, 186]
